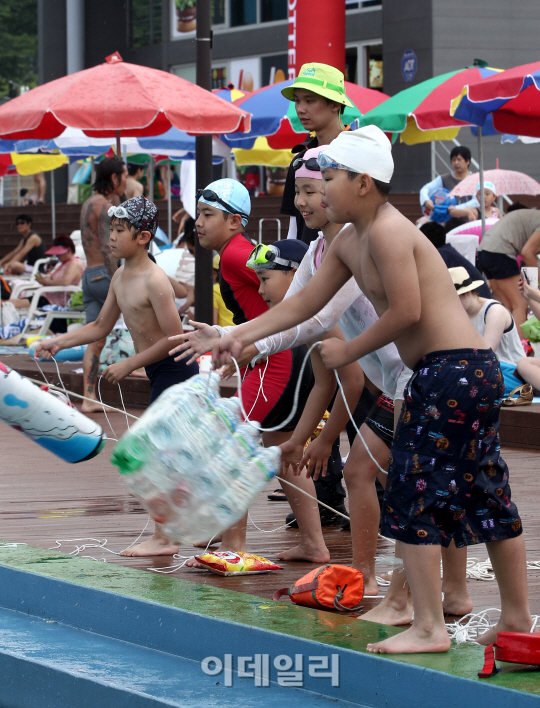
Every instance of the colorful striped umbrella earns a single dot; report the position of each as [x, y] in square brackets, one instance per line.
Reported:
[421, 113]
[274, 116]
[512, 98]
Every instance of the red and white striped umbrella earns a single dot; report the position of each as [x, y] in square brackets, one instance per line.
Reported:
[505, 181]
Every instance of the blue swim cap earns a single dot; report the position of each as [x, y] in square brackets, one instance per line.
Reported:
[233, 193]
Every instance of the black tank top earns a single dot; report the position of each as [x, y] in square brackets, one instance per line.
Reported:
[34, 254]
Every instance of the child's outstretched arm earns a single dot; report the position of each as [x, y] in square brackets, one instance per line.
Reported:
[331, 276]
[92, 332]
[395, 263]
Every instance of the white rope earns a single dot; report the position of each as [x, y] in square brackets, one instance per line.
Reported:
[94, 543]
[283, 526]
[261, 390]
[472, 626]
[173, 568]
[295, 404]
[82, 398]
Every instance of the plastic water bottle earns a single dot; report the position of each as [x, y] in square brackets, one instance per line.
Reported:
[192, 463]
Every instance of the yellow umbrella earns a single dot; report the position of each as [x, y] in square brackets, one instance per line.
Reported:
[29, 164]
[262, 154]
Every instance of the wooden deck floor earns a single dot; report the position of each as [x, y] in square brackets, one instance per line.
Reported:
[43, 499]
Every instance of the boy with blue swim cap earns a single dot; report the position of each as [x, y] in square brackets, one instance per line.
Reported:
[223, 210]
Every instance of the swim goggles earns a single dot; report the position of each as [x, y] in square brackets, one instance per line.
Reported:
[325, 162]
[119, 212]
[265, 257]
[210, 196]
[310, 164]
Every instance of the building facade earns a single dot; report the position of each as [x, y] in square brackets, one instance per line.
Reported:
[390, 45]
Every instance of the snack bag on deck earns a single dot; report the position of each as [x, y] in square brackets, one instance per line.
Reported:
[227, 563]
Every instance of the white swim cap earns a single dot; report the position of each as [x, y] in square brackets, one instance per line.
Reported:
[366, 151]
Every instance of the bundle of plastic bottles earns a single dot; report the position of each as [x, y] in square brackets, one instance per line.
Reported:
[192, 462]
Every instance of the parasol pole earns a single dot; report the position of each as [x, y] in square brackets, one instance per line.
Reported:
[204, 308]
[150, 179]
[118, 145]
[481, 170]
[169, 201]
[53, 206]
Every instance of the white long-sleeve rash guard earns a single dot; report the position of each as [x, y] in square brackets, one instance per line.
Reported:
[353, 312]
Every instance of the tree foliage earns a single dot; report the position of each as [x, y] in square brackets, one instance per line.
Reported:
[18, 46]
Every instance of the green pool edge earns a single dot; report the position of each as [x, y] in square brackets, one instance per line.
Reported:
[463, 660]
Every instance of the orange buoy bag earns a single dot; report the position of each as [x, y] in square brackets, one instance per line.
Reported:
[329, 587]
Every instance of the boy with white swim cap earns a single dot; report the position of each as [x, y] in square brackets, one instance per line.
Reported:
[446, 479]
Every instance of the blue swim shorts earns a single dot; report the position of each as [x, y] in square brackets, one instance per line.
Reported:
[447, 478]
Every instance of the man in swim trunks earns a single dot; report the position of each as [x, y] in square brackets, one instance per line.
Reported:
[110, 184]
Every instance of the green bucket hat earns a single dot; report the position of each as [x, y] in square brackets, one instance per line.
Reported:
[323, 80]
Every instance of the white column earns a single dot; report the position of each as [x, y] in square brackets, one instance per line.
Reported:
[74, 35]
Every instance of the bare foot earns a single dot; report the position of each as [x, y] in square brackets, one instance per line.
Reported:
[370, 583]
[206, 544]
[192, 563]
[305, 552]
[155, 546]
[140, 373]
[88, 407]
[414, 641]
[457, 604]
[491, 635]
[371, 589]
[392, 612]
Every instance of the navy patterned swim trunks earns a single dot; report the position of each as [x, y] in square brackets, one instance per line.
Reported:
[447, 478]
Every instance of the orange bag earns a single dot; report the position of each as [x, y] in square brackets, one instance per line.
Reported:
[335, 587]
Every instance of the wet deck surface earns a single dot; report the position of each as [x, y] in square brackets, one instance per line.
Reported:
[44, 500]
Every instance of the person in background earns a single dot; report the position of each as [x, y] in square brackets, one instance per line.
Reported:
[25, 198]
[436, 233]
[222, 315]
[29, 250]
[68, 271]
[41, 187]
[460, 157]
[493, 321]
[134, 188]
[516, 234]
[473, 211]
[319, 101]
[529, 367]
[110, 184]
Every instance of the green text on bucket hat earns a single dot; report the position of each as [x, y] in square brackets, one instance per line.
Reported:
[323, 80]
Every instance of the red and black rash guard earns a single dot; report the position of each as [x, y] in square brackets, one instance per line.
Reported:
[239, 284]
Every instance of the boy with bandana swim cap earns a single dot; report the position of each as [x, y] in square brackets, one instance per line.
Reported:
[141, 291]
[446, 479]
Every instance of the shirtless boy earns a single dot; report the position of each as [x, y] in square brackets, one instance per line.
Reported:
[110, 184]
[437, 457]
[140, 290]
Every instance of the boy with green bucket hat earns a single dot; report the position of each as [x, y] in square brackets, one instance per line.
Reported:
[319, 96]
